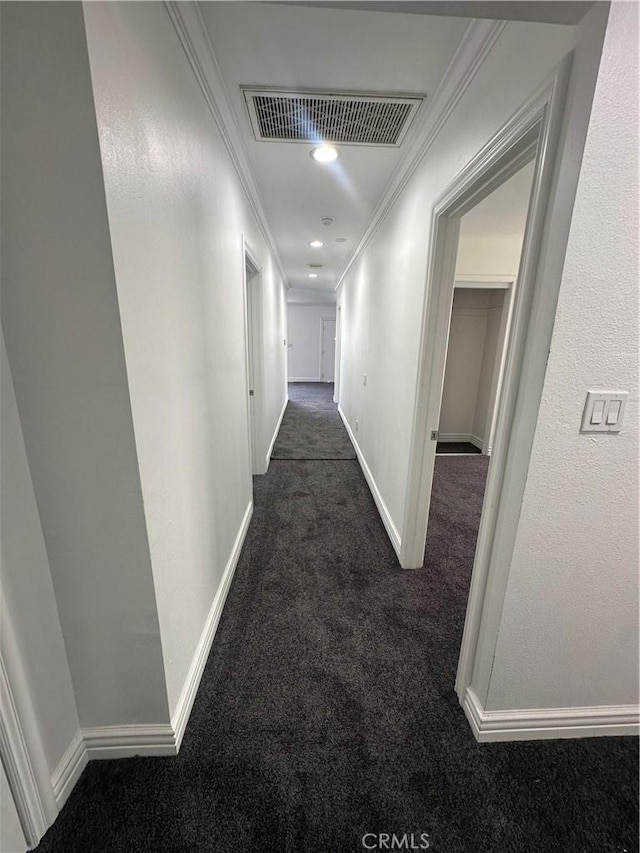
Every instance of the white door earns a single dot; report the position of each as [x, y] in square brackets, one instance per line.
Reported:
[328, 350]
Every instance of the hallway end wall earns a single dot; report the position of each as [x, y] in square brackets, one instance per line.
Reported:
[305, 340]
[178, 214]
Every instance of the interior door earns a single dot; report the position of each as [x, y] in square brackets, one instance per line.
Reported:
[328, 350]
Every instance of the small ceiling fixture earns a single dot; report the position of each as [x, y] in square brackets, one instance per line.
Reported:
[324, 154]
[317, 244]
[327, 220]
[341, 239]
[313, 275]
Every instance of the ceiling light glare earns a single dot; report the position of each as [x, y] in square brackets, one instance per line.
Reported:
[324, 154]
[313, 275]
[317, 244]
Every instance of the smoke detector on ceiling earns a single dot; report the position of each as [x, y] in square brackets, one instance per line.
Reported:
[348, 118]
[327, 220]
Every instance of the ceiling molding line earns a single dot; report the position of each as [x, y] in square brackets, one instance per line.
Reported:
[192, 33]
[476, 44]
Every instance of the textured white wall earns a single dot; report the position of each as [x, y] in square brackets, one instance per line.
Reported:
[178, 212]
[569, 629]
[305, 326]
[64, 343]
[28, 598]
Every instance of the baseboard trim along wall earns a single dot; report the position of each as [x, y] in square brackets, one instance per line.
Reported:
[385, 515]
[275, 433]
[69, 769]
[461, 436]
[549, 723]
[184, 705]
[305, 379]
[149, 740]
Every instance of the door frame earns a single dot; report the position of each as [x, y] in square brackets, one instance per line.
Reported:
[21, 750]
[252, 304]
[336, 380]
[533, 132]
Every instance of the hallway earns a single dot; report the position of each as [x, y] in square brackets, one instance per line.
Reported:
[326, 710]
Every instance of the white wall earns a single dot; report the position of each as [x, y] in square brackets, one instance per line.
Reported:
[464, 367]
[64, 343]
[28, 602]
[569, 632]
[178, 212]
[569, 629]
[491, 233]
[305, 340]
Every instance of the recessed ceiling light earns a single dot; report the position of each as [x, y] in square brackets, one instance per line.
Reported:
[324, 154]
[317, 244]
[341, 239]
[313, 275]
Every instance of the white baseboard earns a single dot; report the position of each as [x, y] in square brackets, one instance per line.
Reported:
[461, 436]
[305, 379]
[184, 705]
[156, 739]
[385, 515]
[275, 433]
[549, 723]
[69, 769]
[127, 741]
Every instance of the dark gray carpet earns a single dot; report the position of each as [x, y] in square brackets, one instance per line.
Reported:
[456, 447]
[327, 710]
[311, 427]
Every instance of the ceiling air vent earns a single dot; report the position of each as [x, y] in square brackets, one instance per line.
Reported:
[347, 118]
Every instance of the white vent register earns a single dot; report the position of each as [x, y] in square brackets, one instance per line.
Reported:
[347, 118]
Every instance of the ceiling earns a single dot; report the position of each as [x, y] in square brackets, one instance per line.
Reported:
[348, 47]
[301, 48]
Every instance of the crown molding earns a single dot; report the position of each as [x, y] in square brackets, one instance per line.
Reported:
[476, 44]
[192, 33]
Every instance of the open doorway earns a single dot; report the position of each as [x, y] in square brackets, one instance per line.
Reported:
[487, 260]
[476, 353]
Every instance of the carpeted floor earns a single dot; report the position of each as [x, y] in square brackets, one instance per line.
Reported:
[326, 710]
[311, 427]
[456, 447]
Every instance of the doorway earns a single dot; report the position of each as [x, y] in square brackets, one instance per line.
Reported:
[328, 350]
[476, 352]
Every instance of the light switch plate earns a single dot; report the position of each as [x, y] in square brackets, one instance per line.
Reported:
[604, 411]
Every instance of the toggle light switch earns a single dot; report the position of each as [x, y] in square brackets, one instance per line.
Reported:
[604, 411]
[614, 412]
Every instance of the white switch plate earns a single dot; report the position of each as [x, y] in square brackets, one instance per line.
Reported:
[604, 411]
